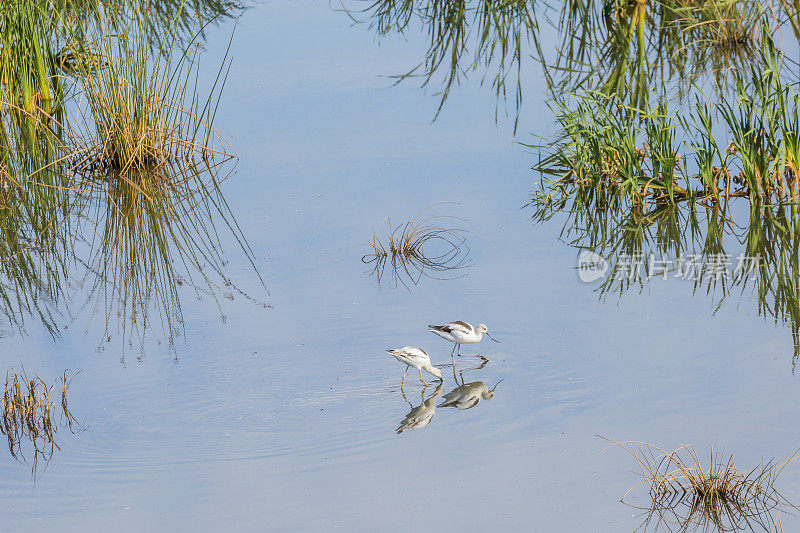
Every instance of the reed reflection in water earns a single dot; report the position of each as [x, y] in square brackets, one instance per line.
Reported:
[625, 49]
[114, 188]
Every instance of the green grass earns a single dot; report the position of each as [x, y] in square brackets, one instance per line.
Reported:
[611, 154]
[128, 171]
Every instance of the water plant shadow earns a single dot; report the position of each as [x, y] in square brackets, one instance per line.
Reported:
[626, 49]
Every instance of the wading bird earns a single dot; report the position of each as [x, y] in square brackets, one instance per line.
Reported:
[417, 358]
[459, 333]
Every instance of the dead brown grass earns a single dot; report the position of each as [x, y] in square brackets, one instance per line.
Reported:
[30, 413]
[686, 493]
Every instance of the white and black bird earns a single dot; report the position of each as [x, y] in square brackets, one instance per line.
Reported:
[468, 395]
[460, 332]
[417, 358]
[421, 416]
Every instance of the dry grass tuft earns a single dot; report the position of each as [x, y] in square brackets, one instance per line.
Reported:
[422, 246]
[141, 108]
[686, 494]
[29, 413]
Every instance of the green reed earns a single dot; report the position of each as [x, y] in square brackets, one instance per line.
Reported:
[612, 154]
[28, 74]
[630, 49]
[122, 181]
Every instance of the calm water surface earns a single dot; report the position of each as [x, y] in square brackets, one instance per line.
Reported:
[285, 418]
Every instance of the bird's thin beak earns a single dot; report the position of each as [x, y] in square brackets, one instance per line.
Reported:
[487, 334]
[496, 384]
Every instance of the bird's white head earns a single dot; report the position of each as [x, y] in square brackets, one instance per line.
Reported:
[483, 330]
[435, 371]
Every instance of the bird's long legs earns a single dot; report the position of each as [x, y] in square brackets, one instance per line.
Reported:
[404, 378]
[420, 378]
[470, 354]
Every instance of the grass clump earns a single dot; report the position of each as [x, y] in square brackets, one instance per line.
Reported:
[688, 493]
[149, 162]
[422, 246]
[30, 413]
[142, 113]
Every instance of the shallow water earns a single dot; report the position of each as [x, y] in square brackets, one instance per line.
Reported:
[285, 418]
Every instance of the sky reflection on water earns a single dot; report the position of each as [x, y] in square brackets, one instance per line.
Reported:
[286, 417]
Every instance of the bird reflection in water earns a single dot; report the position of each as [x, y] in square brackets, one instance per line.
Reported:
[464, 396]
[468, 395]
[421, 416]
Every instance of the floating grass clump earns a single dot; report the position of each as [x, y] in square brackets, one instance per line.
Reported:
[689, 494]
[612, 154]
[422, 246]
[30, 413]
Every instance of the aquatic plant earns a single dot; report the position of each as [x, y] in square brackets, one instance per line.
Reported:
[142, 110]
[612, 154]
[28, 74]
[407, 249]
[688, 494]
[30, 414]
[35, 203]
[147, 168]
[132, 157]
[631, 49]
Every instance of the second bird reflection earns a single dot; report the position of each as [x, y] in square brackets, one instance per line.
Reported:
[464, 396]
[468, 395]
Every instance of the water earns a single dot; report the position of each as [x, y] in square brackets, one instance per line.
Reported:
[284, 418]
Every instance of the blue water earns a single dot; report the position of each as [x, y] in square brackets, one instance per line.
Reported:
[284, 418]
